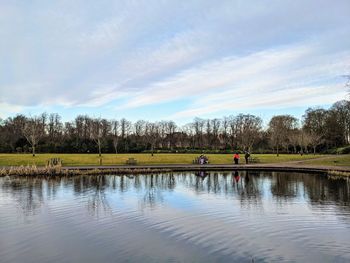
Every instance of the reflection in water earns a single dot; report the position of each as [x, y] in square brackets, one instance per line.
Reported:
[202, 174]
[97, 198]
[152, 193]
[28, 194]
[202, 215]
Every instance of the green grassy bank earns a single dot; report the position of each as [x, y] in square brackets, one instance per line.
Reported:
[332, 160]
[143, 159]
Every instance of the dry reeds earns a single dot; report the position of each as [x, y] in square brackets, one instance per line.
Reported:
[58, 170]
[334, 174]
[31, 170]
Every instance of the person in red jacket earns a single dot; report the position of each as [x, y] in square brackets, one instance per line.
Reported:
[236, 158]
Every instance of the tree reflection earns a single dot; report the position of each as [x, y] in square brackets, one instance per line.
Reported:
[97, 201]
[284, 185]
[27, 193]
[249, 187]
[153, 191]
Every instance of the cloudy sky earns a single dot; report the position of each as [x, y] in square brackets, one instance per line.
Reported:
[175, 60]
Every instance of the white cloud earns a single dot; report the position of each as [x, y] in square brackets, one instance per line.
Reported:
[277, 73]
[8, 109]
[147, 52]
[287, 98]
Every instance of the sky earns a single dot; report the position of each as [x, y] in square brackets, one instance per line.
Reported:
[172, 60]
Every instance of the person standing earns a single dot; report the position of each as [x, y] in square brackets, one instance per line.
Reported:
[236, 158]
[246, 156]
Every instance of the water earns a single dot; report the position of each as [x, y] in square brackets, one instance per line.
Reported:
[184, 217]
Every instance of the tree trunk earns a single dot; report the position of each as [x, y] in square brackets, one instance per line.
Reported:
[115, 144]
[33, 148]
[277, 152]
[314, 150]
[99, 148]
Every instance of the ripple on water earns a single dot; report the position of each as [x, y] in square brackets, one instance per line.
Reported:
[271, 217]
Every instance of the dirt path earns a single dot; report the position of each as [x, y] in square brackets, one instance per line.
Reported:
[305, 160]
[310, 160]
[304, 164]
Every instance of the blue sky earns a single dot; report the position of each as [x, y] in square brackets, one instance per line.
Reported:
[177, 60]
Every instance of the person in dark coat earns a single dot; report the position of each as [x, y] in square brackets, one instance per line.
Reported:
[246, 156]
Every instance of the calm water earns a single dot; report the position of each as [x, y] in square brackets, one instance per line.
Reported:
[184, 217]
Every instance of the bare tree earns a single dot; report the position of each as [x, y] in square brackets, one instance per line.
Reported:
[304, 140]
[208, 134]
[54, 126]
[249, 127]
[215, 124]
[170, 131]
[188, 130]
[279, 128]
[198, 127]
[125, 128]
[233, 131]
[162, 128]
[97, 133]
[33, 131]
[224, 131]
[342, 117]
[152, 134]
[294, 138]
[115, 134]
[12, 130]
[139, 132]
[314, 125]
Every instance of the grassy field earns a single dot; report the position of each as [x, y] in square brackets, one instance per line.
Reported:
[336, 160]
[119, 159]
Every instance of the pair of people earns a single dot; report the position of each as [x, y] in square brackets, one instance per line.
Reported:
[246, 157]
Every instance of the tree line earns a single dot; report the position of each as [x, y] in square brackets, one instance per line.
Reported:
[319, 130]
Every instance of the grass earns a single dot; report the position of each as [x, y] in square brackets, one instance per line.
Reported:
[336, 160]
[120, 159]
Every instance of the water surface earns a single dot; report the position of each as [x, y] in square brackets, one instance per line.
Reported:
[180, 217]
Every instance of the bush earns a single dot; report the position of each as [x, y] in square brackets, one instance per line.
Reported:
[344, 150]
[340, 150]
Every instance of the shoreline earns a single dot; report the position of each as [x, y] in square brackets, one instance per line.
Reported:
[147, 169]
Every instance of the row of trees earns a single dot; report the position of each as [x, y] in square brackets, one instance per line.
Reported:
[319, 130]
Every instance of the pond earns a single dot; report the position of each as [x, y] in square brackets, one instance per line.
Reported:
[176, 217]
